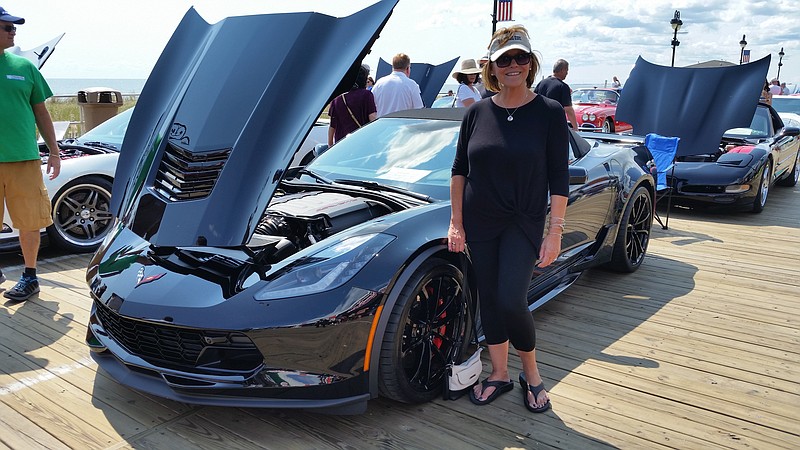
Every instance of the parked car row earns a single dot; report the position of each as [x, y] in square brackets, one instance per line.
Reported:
[234, 276]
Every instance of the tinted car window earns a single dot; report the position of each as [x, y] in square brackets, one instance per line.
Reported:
[760, 126]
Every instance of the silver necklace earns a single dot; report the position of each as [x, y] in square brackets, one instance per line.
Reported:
[510, 117]
[510, 114]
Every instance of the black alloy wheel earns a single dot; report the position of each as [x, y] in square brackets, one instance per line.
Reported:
[633, 236]
[428, 320]
[81, 215]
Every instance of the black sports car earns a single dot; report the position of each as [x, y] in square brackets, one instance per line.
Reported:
[732, 149]
[741, 171]
[232, 280]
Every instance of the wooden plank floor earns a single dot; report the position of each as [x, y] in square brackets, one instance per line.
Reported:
[698, 349]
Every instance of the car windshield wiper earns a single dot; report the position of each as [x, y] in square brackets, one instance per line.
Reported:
[98, 144]
[385, 187]
[294, 172]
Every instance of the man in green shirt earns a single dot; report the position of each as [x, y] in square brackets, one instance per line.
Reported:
[23, 91]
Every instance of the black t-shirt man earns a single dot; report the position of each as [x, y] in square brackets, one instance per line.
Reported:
[555, 88]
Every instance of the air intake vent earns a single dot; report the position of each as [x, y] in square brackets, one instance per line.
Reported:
[186, 176]
[180, 348]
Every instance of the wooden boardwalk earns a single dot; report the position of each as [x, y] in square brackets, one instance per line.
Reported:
[699, 349]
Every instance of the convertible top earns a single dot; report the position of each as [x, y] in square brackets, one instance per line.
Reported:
[696, 104]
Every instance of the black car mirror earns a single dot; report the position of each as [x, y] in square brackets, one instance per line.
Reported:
[790, 131]
[578, 175]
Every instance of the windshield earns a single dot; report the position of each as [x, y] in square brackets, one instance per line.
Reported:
[760, 126]
[595, 96]
[111, 131]
[786, 104]
[415, 154]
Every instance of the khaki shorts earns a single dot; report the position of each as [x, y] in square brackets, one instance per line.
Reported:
[22, 188]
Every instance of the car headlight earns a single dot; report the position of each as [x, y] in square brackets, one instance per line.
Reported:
[326, 269]
[585, 117]
[592, 117]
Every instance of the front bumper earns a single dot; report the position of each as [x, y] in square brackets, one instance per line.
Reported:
[259, 387]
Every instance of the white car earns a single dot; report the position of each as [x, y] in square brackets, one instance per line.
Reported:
[81, 194]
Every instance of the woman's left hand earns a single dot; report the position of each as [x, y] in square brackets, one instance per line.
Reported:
[551, 248]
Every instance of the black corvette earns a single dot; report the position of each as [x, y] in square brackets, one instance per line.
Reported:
[732, 149]
[233, 280]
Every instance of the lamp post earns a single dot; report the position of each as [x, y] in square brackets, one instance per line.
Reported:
[742, 44]
[780, 62]
[676, 23]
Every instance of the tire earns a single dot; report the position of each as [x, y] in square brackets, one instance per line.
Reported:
[633, 235]
[763, 188]
[608, 126]
[429, 317]
[794, 176]
[81, 216]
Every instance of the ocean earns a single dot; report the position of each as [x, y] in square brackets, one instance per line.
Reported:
[71, 86]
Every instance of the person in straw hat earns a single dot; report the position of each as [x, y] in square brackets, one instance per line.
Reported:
[467, 77]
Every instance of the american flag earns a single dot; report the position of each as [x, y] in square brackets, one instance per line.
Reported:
[504, 10]
[746, 56]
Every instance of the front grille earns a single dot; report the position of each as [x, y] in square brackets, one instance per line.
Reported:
[180, 348]
[186, 176]
[702, 189]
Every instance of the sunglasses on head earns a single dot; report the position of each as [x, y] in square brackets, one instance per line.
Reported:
[9, 28]
[522, 59]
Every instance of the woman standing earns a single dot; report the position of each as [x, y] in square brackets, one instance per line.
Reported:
[467, 77]
[500, 208]
[351, 110]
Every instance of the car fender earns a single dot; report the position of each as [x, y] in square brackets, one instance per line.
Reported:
[394, 294]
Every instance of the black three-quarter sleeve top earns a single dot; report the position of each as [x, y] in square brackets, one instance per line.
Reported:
[511, 166]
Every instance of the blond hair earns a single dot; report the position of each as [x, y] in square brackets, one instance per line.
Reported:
[504, 34]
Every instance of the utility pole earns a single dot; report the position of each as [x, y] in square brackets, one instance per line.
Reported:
[494, 18]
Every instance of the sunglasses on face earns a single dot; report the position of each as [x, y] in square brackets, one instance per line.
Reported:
[9, 28]
[522, 59]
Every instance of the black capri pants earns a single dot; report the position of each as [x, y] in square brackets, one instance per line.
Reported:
[503, 268]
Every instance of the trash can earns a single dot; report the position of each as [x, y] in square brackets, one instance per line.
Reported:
[97, 105]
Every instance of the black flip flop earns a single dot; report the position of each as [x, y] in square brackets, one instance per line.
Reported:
[536, 390]
[500, 387]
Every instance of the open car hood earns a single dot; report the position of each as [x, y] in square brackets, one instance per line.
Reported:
[429, 77]
[39, 54]
[222, 114]
[696, 104]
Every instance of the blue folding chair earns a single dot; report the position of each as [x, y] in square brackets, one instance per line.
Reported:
[664, 149]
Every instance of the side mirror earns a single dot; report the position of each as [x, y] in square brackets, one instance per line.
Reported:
[578, 175]
[790, 131]
[320, 149]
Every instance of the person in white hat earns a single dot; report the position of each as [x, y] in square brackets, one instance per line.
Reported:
[500, 208]
[467, 77]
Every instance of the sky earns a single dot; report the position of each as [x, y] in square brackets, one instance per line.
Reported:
[107, 39]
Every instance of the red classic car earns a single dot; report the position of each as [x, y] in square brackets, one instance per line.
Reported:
[596, 110]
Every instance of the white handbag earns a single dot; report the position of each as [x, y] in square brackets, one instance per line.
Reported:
[465, 375]
[461, 377]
